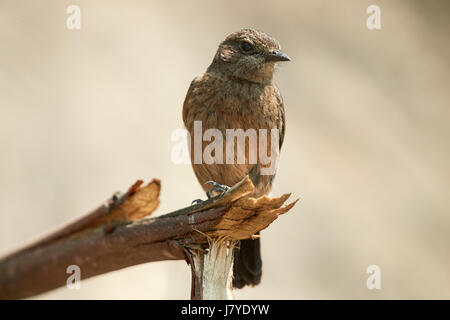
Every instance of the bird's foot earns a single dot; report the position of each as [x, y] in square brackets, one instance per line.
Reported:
[217, 189]
[220, 188]
[196, 201]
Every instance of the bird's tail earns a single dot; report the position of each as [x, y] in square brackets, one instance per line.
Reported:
[247, 268]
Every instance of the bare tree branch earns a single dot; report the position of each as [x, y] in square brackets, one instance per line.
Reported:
[115, 236]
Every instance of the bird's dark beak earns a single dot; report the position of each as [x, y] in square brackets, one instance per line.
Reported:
[277, 55]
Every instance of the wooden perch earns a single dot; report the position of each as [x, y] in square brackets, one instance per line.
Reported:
[119, 234]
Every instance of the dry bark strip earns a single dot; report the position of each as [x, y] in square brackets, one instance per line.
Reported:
[119, 234]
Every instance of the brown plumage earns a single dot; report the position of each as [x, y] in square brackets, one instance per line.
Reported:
[237, 92]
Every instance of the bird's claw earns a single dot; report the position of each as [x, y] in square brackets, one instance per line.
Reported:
[196, 201]
[218, 186]
[221, 188]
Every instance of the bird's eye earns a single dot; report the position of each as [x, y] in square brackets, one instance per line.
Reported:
[246, 46]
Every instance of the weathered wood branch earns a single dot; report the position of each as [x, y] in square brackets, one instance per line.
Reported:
[116, 236]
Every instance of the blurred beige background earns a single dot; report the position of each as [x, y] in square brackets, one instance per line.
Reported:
[87, 112]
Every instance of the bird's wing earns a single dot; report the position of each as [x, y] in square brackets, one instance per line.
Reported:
[282, 120]
[187, 105]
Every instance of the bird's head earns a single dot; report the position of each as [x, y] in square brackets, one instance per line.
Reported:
[248, 55]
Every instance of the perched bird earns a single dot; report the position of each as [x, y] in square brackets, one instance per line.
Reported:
[237, 92]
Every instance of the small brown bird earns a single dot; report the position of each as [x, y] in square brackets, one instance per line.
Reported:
[237, 92]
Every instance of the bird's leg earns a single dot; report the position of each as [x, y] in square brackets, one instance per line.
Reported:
[221, 188]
